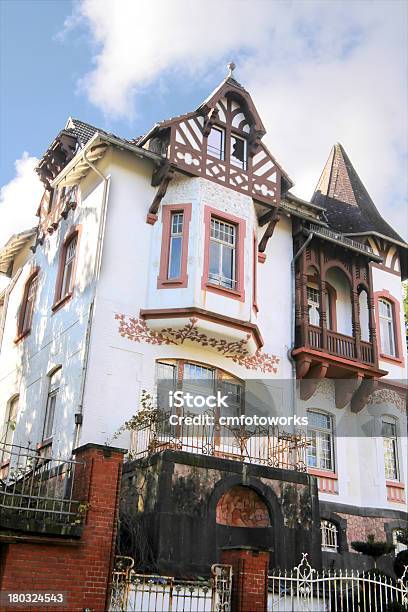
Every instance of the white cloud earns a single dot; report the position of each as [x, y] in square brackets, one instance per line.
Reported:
[320, 72]
[19, 199]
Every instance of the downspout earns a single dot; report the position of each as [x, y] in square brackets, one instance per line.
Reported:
[98, 262]
[293, 315]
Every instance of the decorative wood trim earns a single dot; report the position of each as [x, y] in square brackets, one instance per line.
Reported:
[206, 285]
[398, 359]
[161, 177]
[162, 281]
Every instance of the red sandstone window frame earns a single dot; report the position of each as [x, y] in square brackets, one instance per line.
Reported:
[398, 358]
[240, 224]
[24, 330]
[255, 275]
[163, 282]
[59, 299]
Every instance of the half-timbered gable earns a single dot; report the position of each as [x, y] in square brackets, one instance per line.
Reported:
[221, 141]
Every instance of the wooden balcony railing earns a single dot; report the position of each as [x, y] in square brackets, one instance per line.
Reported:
[340, 345]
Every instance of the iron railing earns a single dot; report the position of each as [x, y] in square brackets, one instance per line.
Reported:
[134, 592]
[267, 445]
[34, 485]
[305, 588]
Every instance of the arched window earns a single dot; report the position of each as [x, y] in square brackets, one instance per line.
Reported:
[198, 379]
[27, 305]
[329, 532]
[387, 327]
[320, 441]
[66, 271]
[53, 390]
[389, 435]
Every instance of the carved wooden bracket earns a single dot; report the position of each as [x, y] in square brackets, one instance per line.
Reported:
[345, 388]
[310, 381]
[162, 177]
[269, 230]
[254, 141]
[360, 397]
[209, 121]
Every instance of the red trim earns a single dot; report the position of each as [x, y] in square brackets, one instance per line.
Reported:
[60, 300]
[151, 218]
[326, 481]
[261, 257]
[386, 295]
[239, 292]
[255, 275]
[162, 281]
[395, 491]
[22, 333]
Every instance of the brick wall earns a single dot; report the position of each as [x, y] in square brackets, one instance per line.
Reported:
[249, 578]
[81, 568]
[242, 507]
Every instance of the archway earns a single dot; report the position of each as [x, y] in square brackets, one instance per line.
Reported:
[241, 506]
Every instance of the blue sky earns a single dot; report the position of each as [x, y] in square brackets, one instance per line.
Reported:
[319, 72]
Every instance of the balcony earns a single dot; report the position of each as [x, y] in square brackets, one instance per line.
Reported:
[341, 345]
[267, 445]
[38, 493]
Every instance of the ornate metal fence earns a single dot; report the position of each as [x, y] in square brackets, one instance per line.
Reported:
[261, 445]
[133, 592]
[36, 486]
[305, 589]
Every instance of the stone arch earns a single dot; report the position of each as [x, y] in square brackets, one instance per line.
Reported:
[242, 506]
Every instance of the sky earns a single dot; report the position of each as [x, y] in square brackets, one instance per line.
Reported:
[318, 72]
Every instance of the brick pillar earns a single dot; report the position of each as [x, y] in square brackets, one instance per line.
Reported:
[249, 578]
[80, 568]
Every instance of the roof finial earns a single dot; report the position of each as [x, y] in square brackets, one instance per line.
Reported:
[231, 67]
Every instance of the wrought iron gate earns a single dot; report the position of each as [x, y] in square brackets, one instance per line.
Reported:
[133, 592]
[306, 589]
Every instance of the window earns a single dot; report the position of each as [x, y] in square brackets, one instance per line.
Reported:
[399, 546]
[54, 386]
[198, 379]
[215, 143]
[320, 441]
[174, 248]
[27, 306]
[313, 304]
[389, 434]
[238, 155]
[222, 254]
[329, 534]
[9, 426]
[386, 320]
[176, 245]
[66, 273]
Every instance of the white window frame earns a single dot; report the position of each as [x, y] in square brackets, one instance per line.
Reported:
[69, 260]
[312, 302]
[387, 322]
[54, 385]
[330, 536]
[390, 442]
[220, 279]
[175, 235]
[211, 151]
[320, 431]
[238, 163]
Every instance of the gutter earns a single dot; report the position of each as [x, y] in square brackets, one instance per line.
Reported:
[98, 263]
[293, 315]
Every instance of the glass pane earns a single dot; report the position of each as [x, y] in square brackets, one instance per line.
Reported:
[227, 267]
[312, 450]
[49, 417]
[319, 420]
[238, 152]
[214, 259]
[215, 144]
[175, 257]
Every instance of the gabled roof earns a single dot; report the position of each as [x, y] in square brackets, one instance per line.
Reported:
[349, 207]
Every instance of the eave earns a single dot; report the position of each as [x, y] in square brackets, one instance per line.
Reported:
[340, 239]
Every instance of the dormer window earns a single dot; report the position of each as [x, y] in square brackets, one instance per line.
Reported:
[238, 156]
[216, 143]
